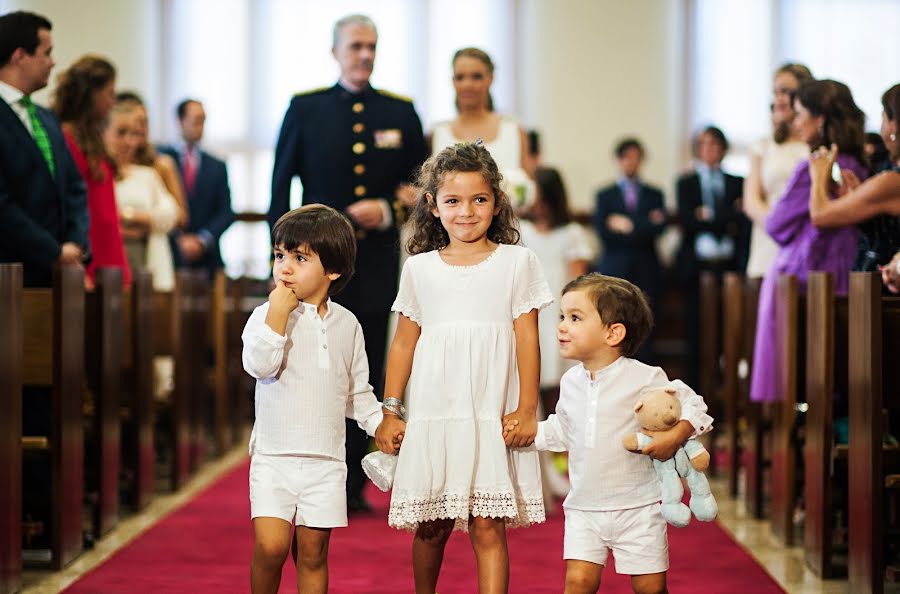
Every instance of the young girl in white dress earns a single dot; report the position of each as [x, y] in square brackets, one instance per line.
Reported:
[467, 343]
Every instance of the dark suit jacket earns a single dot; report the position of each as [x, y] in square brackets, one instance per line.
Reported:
[38, 213]
[729, 220]
[631, 256]
[209, 208]
[345, 147]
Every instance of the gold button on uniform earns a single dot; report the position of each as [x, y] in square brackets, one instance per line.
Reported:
[359, 191]
[358, 127]
[358, 107]
[359, 148]
[360, 234]
[359, 169]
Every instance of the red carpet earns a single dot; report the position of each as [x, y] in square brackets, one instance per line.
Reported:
[206, 545]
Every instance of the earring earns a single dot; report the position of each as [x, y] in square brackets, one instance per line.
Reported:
[893, 137]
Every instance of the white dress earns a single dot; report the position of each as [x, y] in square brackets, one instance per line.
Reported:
[143, 190]
[454, 463]
[506, 149]
[777, 164]
[555, 249]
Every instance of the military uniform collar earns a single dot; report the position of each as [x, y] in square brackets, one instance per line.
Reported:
[344, 93]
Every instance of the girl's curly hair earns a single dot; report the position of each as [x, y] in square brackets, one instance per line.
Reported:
[73, 102]
[428, 233]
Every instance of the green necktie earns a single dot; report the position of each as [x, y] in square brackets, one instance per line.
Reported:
[40, 134]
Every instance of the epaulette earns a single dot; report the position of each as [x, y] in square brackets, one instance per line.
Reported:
[394, 95]
[312, 91]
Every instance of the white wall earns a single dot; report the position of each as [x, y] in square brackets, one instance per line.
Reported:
[591, 72]
[124, 31]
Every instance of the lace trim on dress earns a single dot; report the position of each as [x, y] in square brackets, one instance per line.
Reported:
[407, 310]
[537, 297]
[468, 266]
[408, 511]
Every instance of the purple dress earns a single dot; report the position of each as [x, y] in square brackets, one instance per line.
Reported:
[802, 249]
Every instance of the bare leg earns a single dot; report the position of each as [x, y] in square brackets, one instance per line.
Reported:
[650, 583]
[488, 537]
[312, 559]
[272, 542]
[582, 577]
[428, 553]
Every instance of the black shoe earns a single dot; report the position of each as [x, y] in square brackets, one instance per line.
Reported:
[358, 505]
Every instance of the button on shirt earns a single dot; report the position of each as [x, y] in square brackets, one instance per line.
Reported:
[591, 420]
[308, 381]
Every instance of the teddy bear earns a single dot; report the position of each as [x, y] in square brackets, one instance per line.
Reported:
[660, 410]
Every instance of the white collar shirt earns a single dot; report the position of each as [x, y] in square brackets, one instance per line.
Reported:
[592, 418]
[308, 381]
[12, 96]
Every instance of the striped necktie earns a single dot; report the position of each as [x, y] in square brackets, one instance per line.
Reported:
[40, 134]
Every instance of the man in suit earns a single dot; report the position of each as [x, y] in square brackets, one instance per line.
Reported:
[206, 188]
[629, 216]
[713, 229]
[355, 148]
[43, 203]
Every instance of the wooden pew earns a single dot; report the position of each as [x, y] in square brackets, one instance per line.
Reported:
[103, 358]
[220, 310]
[201, 398]
[826, 371]
[874, 323]
[53, 322]
[789, 341]
[137, 397]
[11, 359]
[241, 395]
[732, 340]
[754, 460]
[172, 337]
[709, 349]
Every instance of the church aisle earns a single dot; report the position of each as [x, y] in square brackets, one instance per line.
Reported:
[205, 546]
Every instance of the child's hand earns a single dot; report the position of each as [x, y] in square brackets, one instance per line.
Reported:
[389, 435]
[519, 429]
[666, 443]
[282, 299]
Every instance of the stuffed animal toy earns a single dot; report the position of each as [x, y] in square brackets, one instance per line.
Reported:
[660, 410]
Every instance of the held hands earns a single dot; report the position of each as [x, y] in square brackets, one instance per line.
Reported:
[519, 429]
[619, 223]
[70, 254]
[389, 435]
[191, 247]
[367, 213]
[890, 274]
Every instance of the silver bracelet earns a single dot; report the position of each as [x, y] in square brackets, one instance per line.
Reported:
[395, 411]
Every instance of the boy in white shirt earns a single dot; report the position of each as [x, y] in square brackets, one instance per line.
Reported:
[308, 356]
[614, 503]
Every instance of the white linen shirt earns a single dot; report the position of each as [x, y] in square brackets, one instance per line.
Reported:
[307, 381]
[592, 418]
[12, 95]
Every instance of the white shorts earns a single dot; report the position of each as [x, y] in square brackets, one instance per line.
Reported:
[637, 538]
[305, 490]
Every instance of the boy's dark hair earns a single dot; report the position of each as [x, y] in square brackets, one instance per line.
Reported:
[628, 143]
[428, 233]
[20, 30]
[618, 302]
[323, 230]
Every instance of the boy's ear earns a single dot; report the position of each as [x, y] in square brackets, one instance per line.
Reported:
[333, 276]
[615, 334]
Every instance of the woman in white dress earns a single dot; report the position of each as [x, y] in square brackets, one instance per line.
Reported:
[147, 211]
[503, 137]
[772, 161]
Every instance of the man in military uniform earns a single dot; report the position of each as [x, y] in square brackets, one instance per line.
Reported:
[355, 149]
